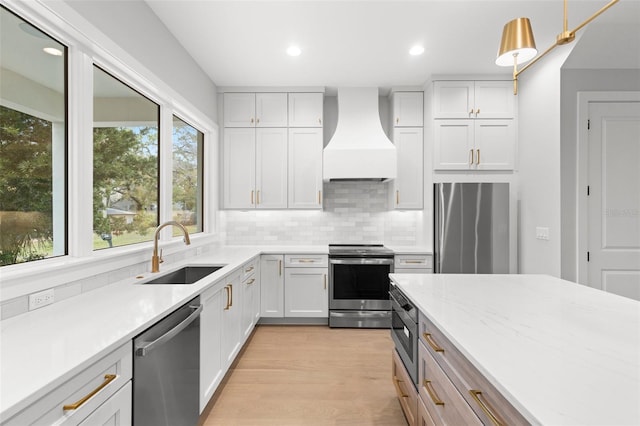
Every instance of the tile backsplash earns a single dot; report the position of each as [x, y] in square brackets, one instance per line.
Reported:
[354, 212]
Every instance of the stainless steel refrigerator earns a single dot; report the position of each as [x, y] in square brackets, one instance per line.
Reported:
[471, 228]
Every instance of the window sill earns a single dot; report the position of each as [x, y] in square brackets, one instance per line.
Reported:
[25, 278]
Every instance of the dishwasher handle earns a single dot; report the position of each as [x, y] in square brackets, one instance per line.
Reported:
[147, 347]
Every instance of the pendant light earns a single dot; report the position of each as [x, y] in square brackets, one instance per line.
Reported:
[518, 45]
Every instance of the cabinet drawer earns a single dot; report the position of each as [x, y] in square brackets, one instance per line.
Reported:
[405, 390]
[99, 376]
[485, 400]
[249, 269]
[115, 411]
[413, 261]
[424, 418]
[306, 260]
[443, 401]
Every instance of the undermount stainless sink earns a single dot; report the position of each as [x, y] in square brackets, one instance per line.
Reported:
[186, 275]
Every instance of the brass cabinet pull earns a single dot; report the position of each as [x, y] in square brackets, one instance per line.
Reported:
[471, 112]
[251, 281]
[486, 407]
[477, 112]
[280, 267]
[324, 281]
[257, 120]
[226, 308]
[478, 154]
[432, 393]
[470, 157]
[249, 269]
[108, 378]
[258, 197]
[319, 120]
[231, 294]
[397, 382]
[397, 120]
[252, 197]
[432, 342]
[319, 197]
[305, 260]
[414, 261]
[397, 197]
[252, 121]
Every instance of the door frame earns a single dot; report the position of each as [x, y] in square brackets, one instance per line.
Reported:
[582, 217]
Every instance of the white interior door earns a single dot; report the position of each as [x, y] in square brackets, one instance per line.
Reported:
[614, 197]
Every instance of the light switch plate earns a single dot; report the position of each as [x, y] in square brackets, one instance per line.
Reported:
[542, 233]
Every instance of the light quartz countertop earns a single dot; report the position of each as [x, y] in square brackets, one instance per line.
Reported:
[561, 353]
[42, 349]
[409, 249]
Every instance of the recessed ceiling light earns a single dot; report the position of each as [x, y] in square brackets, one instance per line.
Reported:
[53, 51]
[416, 50]
[294, 51]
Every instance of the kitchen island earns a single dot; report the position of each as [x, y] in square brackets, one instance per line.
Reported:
[558, 352]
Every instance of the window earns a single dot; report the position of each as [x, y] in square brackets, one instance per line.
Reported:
[125, 164]
[187, 176]
[33, 134]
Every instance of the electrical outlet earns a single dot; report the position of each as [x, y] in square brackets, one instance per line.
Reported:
[43, 298]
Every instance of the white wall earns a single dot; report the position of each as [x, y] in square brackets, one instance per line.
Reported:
[137, 30]
[572, 82]
[539, 165]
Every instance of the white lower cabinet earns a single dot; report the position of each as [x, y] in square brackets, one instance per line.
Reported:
[272, 285]
[294, 286]
[116, 411]
[211, 367]
[230, 311]
[250, 297]
[95, 390]
[231, 319]
[306, 293]
[418, 263]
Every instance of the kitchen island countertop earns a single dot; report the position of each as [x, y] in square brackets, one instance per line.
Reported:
[561, 353]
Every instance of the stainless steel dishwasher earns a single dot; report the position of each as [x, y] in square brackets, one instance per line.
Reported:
[166, 370]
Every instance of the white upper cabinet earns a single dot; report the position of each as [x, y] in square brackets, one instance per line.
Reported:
[474, 144]
[305, 168]
[473, 99]
[408, 109]
[305, 109]
[271, 110]
[239, 168]
[255, 110]
[239, 110]
[271, 169]
[408, 184]
[272, 150]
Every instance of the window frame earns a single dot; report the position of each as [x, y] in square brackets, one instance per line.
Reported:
[86, 47]
[64, 220]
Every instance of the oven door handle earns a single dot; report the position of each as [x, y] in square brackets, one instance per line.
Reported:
[360, 261]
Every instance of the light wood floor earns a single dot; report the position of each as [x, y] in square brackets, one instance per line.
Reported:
[309, 375]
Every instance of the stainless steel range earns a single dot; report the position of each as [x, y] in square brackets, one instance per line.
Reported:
[359, 285]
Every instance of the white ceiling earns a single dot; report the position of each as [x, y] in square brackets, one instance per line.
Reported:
[366, 43]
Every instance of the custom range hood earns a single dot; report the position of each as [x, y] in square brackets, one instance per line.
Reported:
[359, 149]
